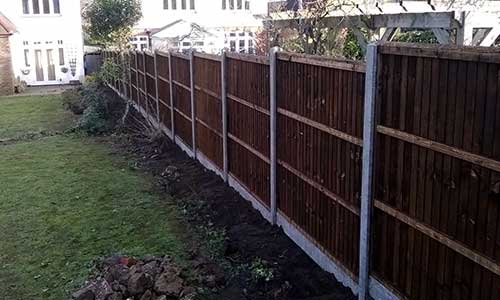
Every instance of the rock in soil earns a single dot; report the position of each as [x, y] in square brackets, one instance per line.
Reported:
[85, 293]
[120, 278]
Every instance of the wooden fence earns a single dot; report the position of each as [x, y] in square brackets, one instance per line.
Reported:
[387, 175]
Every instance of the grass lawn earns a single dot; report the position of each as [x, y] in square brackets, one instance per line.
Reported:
[21, 115]
[65, 201]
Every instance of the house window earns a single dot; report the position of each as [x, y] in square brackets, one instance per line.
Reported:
[165, 4]
[46, 7]
[236, 4]
[174, 4]
[26, 57]
[191, 3]
[251, 49]
[232, 46]
[61, 56]
[183, 4]
[36, 7]
[26, 7]
[57, 8]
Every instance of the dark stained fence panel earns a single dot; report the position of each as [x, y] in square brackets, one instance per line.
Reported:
[319, 154]
[163, 82]
[437, 172]
[181, 93]
[207, 81]
[248, 125]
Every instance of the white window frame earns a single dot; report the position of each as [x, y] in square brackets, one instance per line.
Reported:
[40, 6]
[245, 5]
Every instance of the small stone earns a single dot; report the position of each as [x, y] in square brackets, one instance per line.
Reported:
[162, 297]
[102, 290]
[118, 272]
[137, 268]
[209, 281]
[150, 258]
[138, 283]
[148, 295]
[115, 296]
[85, 293]
[169, 283]
[151, 268]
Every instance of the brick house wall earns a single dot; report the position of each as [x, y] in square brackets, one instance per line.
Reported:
[6, 72]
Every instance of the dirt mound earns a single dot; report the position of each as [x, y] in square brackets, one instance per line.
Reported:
[151, 278]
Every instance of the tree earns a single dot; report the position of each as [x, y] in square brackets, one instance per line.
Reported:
[109, 22]
[311, 34]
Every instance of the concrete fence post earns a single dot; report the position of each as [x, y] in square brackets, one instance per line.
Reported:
[170, 81]
[224, 115]
[193, 111]
[156, 90]
[138, 91]
[145, 84]
[273, 133]
[367, 172]
[129, 69]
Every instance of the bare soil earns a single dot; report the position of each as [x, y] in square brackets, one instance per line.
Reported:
[249, 238]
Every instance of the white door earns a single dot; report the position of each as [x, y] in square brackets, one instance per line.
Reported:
[45, 58]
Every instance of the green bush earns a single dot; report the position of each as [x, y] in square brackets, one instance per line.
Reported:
[72, 100]
[415, 36]
[351, 49]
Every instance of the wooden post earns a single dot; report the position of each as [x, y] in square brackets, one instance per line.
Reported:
[273, 117]
[224, 115]
[172, 118]
[193, 111]
[156, 90]
[367, 172]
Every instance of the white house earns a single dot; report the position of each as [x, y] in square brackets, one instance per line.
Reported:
[205, 25]
[47, 46]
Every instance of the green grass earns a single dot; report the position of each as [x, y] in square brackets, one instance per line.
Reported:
[67, 200]
[32, 114]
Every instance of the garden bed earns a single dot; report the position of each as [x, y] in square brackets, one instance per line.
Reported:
[259, 260]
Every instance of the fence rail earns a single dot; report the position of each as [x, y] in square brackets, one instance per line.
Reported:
[386, 174]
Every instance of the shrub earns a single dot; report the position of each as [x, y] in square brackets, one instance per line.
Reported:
[99, 107]
[72, 100]
[103, 109]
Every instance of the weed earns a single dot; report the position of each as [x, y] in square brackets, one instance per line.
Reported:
[215, 241]
[261, 270]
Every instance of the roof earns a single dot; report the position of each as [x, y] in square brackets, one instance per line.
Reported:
[183, 28]
[6, 26]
